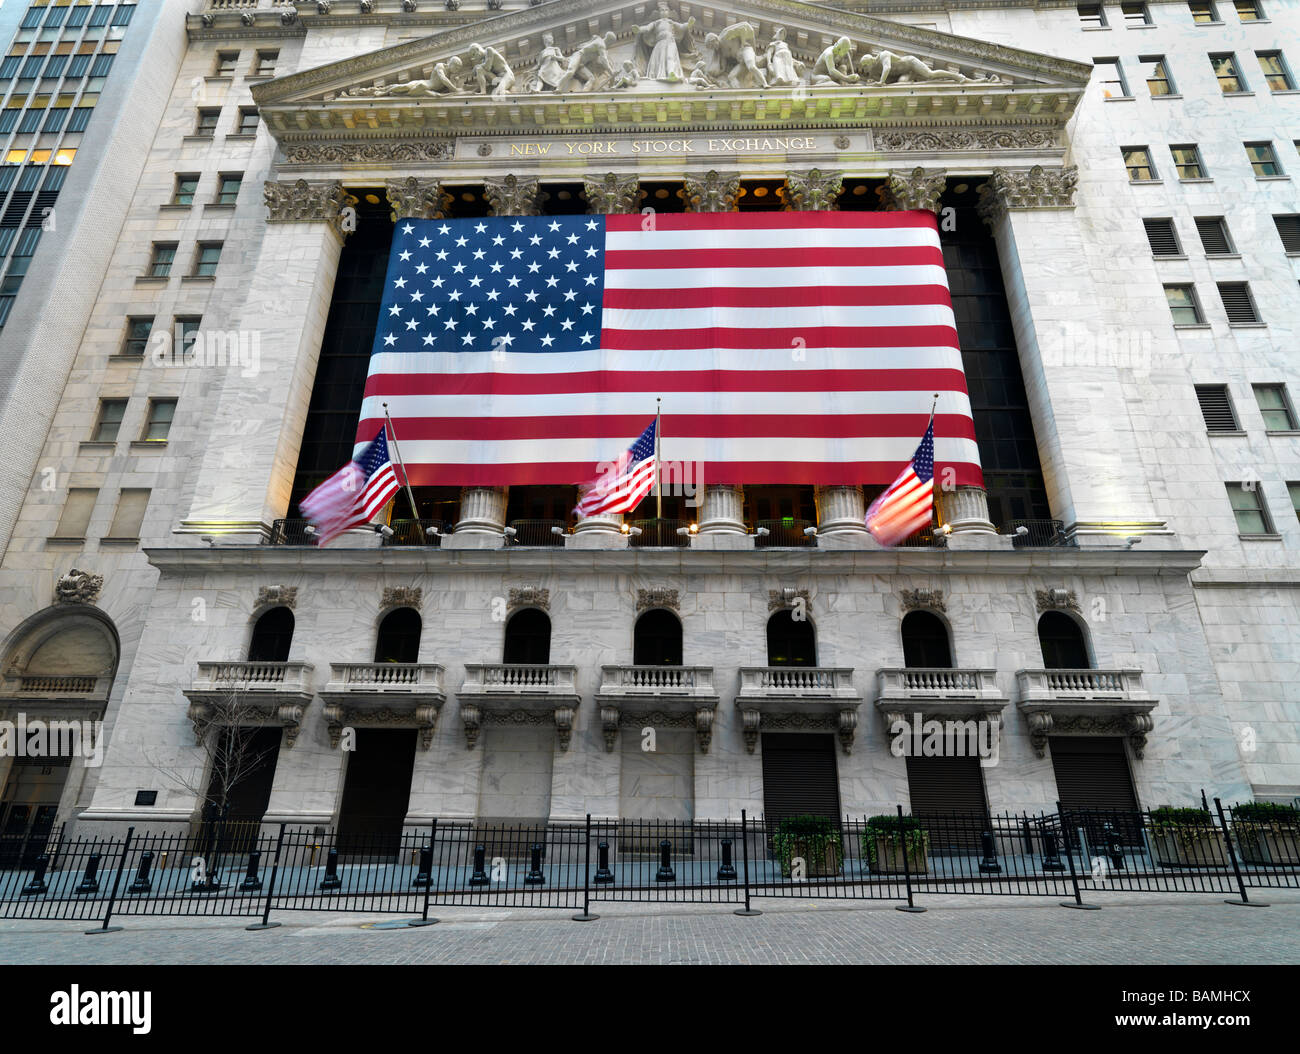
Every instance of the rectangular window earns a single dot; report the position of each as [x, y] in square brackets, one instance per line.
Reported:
[55, 16]
[77, 18]
[1111, 75]
[1249, 10]
[9, 66]
[80, 118]
[1288, 229]
[55, 119]
[1137, 159]
[1248, 507]
[1276, 75]
[1229, 76]
[1262, 159]
[247, 121]
[8, 119]
[266, 61]
[1214, 235]
[227, 63]
[228, 188]
[111, 412]
[1092, 15]
[32, 18]
[159, 422]
[160, 263]
[138, 328]
[1275, 407]
[101, 65]
[1183, 305]
[205, 259]
[131, 503]
[1157, 75]
[1216, 408]
[1294, 490]
[183, 194]
[1163, 237]
[1203, 11]
[122, 16]
[185, 330]
[31, 121]
[79, 65]
[54, 68]
[77, 508]
[207, 122]
[1135, 14]
[32, 67]
[1238, 303]
[100, 17]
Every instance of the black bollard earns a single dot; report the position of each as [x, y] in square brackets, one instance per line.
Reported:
[1051, 855]
[727, 870]
[38, 884]
[665, 872]
[603, 874]
[1028, 835]
[90, 880]
[479, 877]
[331, 879]
[422, 879]
[143, 883]
[989, 865]
[1113, 849]
[535, 876]
[251, 882]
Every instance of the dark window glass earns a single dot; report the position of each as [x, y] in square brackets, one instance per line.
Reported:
[80, 118]
[399, 637]
[925, 641]
[528, 638]
[790, 641]
[272, 635]
[1062, 642]
[657, 640]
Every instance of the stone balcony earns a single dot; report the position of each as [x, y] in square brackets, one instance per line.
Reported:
[266, 693]
[70, 697]
[787, 697]
[1099, 702]
[669, 696]
[938, 693]
[519, 693]
[383, 695]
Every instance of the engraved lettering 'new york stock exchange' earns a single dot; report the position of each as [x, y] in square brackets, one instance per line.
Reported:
[648, 147]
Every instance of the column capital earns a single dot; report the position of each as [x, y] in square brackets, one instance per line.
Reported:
[414, 198]
[612, 194]
[814, 191]
[918, 189]
[308, 201]
[512, 196]
[1027, 188]
[711, 192]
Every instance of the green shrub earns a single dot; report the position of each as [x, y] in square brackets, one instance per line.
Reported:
[808, 837]
[890, 831]
[1170, 816]
[1266, 812]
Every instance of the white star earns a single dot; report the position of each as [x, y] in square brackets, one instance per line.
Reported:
[516, 253]
[454, 295]
[417, 297]
[493, 294]
[449, 324]
[516, 226]
[511, 309]
[498, 240]
[530, 325]
[489, 323]
[573, 239]
[588, 337]
[555, 226]
[592, 225]
[461, 242]
[479, 254]
[442, 254]
[421, 268]
[400, 283]
[512, 281]
[432, 309]
[587, 309]
[468, 338]
[496, 268]
[476, 281]
[408, 229]
[412, 324]
[405, 254]
[570, 294]
[536, 239]
[547, 341]
[480, 228]
[531, 296]
[425, 243]
[505, 340]
[591, 279]
[444, 229]
[548, 310]
[459, 269]
[428, 339]
[553, 253]
[570, 266]
[552, 282]
[394, 310]
[437, 282]
[471, 309]
[592, 251]
[533, 268]
[389, 340]
[567, 324]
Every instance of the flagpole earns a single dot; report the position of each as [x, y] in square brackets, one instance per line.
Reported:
[388, 423]
[659, 493]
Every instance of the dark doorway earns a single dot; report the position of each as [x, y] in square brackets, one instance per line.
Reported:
[28, 808]
[240, 777]
[376, 791]
[925, 642]
[657, 640]
[528, 638]
[398, 639]
[799, 776]
[1062, 642]
[1095, 787]
[272, 635]
[790, 641]
[947, 795]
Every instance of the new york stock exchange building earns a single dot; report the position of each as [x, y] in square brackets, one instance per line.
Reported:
[1110, 596]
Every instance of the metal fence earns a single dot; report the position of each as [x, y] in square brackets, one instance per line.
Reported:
[252, 872]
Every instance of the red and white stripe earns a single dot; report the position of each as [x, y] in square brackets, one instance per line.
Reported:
[905, 507]
[619, 491]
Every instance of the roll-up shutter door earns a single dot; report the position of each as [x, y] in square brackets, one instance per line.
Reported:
[947, 794]
[799, 777]
[1093, 781]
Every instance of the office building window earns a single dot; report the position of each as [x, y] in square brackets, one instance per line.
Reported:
[1163, 237]
[1203, 11]
[1216, 408]
[1156, 71]
[1294, 490]
[138, 328]
[1135, 14]
[1275, 407]
[247, 121]
[1183, 305]
[1262, 159]
[207, 122]
[160, 263]
[227, 63]
[109, 421]
[1214, 235]
[1249, 10]
[131, 503]
[266, 61]
[1229, 76]
[205, 259]
[1276, 75]
[1238, 303]
[228, 188]
[1111, 75]
[183, 193]
[1137, 159]
[1288, 229]
[1092, 15]
[159, 421]
[77, 507]
[1248, 507]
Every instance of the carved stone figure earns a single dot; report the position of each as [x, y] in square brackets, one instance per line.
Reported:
[489, 72]
[550, 66]
[707, 72]
[627, 77]
[660, 44]
[78, 587]
[739, 59]
[588, 68]
[885, 66]
[835, 64]
[440, 82]
[783, 69]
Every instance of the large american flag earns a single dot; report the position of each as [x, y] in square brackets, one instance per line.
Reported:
[790, 347]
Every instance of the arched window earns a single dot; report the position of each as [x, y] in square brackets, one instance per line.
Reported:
[790, 641]
[925, 641]
[399, 637]
[272, 635]
[528, 638]
[1062, 642]
[657, 639]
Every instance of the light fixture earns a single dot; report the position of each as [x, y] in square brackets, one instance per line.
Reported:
[624, 528]
[946, 528]
[762, 532]
[558, 530]
[1021, 531]
[1132, 540]
[385, 530]
[432, 532]
[509, 532]
[209, 539]
[694, 528]
[635, 532]
[309, 530]
[810, 532]
[683, 532]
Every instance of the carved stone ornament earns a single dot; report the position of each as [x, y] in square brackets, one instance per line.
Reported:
[779, 599]
[1027, 188]
[885, 67]
[1057, 599]
[922, 598]
[402, 597]
[414, 198]
[444, 79]
[1135, 726]
[208, 19]
[848, 728]
[609, 726]
[657, 598]
[367, 6]
[78, 587]
[338, 717]
[512, 196]
[711, 192]
[288, 15]
[901, 140]
[276, 596]
[814, 191]
[530, 597]
[365, 153]
[203, 716]
[323, 7]
[704, 727]
[307, 201]
[564, 725]
[754, 721]
[489, 72]
[471, 717]
[918, 189]
[612, 194]
[247, 18]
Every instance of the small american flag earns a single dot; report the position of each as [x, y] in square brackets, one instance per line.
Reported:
[353, 495]
[629, 480]
[908, 504]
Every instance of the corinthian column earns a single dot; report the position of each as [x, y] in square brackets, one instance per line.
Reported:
[413, 198]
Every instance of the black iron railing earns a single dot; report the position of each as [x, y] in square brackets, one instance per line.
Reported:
[537, 532]
[291, 532]
[1037, 534]
[416, 532]
[659, 534]
[783, 533]
[926, 539]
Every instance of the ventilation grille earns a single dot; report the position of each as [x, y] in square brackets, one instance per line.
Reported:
[1214, 235]
[1237, 302]
[1216, 408]
[1163, 238]
[1288, 229]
